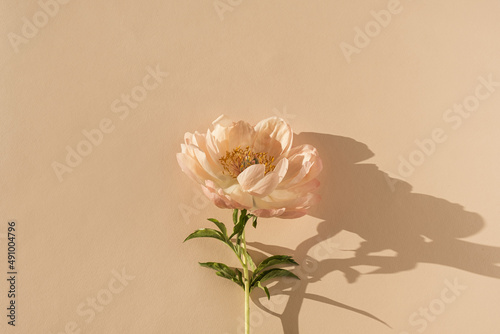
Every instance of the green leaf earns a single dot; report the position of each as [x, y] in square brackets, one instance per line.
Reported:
[274, 260]
[254, 222]
[240, 226]
[239, 275]
[272, 273]
[205, 233]
[220, 225]
[237, 249]
[224, 271]
[266, 290]
[250, 262]
[235, 216]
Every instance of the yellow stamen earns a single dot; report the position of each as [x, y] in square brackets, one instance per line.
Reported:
[237, 160]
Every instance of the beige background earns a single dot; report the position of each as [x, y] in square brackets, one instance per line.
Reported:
[121, 207]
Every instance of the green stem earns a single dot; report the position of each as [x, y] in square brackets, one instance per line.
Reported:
[247, 284]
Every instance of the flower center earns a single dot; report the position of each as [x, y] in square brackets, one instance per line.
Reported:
[237, 160]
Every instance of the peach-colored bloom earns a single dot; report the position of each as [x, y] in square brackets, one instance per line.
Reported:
[240, 166]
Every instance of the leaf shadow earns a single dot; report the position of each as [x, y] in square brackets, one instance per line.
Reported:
[359, 198]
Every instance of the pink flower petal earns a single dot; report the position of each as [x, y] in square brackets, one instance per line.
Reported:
[290, 214]
[192, 168]
[274, 136]
[265, 185]
[251, 176]
[268, 213]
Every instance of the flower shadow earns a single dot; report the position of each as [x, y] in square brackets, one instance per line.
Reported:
[387, 215]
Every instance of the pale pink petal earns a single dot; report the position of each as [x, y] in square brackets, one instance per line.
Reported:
[208, 147]
[290, 214]
[207, 164]
[228, 135]
[229, 198]
[305, 165]
[219, 135]
[268, 183]
[265, 186]
[268, 213]
[274, 136]
[314, 170]
[244, 199]
[196, 148]
[281, 168]
[286, 199]
[295, 169]
[241, 134]
[210, 140]
[306, 187]
[203, 160]
[192, 168]
[218, 200]
[188, 138]
[251, 176]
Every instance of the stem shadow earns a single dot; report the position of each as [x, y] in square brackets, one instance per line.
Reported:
[359, 198]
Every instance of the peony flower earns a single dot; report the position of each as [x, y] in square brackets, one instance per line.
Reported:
[240, 166]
